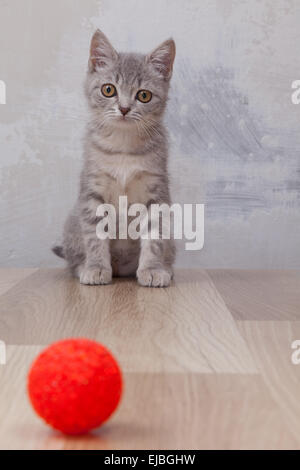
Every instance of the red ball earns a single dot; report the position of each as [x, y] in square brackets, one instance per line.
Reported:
[75, 385]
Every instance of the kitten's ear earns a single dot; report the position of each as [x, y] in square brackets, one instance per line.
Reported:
[163, 57]
[101, 51]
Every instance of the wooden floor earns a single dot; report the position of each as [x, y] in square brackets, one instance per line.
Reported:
[207, 362]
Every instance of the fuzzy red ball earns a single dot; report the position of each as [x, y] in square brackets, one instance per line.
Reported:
[75, 385]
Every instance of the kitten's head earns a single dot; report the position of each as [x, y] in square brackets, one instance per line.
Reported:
[128, 89]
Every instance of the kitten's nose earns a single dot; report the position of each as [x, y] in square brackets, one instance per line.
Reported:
[124, 111]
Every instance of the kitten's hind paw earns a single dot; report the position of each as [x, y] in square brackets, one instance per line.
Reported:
[154, 277]
[95, 276]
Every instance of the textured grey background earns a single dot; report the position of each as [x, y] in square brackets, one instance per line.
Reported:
[234, 130]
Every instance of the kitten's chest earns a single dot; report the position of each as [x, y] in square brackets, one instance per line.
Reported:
[128, 176]
[125, 169]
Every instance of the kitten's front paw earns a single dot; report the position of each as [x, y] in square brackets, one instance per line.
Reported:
[153, 277]
[95, 276]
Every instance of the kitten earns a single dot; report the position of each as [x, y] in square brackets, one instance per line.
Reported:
[125, 153]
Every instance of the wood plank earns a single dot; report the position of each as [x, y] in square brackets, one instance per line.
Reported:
[158, 411]
[259, 295]
[20, 427]
[196, 411]
[270, 345]
[186, 327]
[9, 277]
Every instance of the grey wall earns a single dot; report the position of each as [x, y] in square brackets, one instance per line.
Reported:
[234, 130]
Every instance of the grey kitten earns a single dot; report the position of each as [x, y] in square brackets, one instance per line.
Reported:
[125, 153]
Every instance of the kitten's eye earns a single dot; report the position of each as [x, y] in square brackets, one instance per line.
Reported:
[108, 90]
[144, 96]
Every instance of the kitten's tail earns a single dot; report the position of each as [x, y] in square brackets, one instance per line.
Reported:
[58, 251]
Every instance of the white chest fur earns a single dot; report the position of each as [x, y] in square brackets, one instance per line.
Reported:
[125, 168]
[129, 175]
